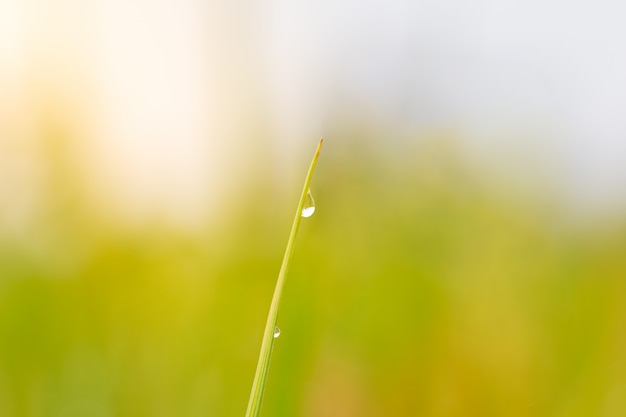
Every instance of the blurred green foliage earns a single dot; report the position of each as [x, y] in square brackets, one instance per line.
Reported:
[417, 289]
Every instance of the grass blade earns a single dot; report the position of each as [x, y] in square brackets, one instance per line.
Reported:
[260, 377]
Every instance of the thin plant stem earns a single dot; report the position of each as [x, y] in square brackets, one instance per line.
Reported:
[260, 377]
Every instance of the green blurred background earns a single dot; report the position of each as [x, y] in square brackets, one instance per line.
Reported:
[417, 288]
[467, 257]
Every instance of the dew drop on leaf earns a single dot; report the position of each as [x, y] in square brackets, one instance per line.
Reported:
[309, 205]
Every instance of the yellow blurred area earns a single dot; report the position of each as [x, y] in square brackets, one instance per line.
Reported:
[144, 212]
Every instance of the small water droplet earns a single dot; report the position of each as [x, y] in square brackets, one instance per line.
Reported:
[309, 205]
[276, 332]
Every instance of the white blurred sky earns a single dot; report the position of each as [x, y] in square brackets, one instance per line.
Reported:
[163, 96]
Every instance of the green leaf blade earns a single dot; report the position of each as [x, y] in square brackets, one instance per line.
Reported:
[267, 345]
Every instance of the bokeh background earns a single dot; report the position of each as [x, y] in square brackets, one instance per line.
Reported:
[468, 252]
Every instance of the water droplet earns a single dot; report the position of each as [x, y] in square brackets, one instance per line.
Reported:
[309, 205]
[276, 332]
